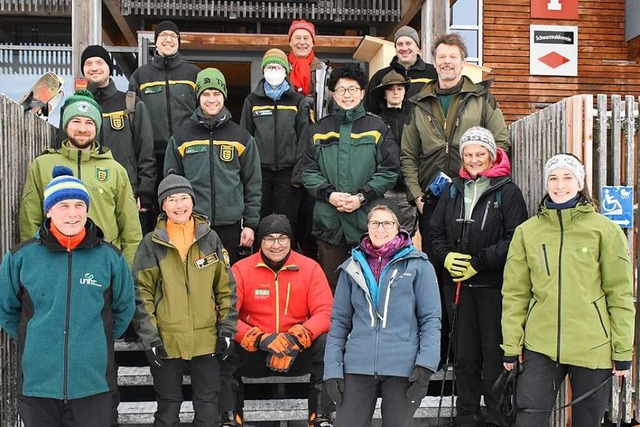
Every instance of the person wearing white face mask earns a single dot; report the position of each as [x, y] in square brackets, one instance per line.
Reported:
[277, 116]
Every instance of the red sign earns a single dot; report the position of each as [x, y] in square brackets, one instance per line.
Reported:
[554, 9]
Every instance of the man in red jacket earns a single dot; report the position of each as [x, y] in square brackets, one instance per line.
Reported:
[284, 306]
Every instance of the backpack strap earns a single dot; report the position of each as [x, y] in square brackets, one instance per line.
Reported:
[130, 107]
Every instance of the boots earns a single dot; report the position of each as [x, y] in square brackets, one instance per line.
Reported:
[316, 420]
[231, 419]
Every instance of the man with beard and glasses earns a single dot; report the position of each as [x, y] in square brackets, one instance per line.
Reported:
[113, 205]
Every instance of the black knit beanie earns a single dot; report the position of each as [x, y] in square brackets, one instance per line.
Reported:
[274, 223]
[96, 51]
[166, 25]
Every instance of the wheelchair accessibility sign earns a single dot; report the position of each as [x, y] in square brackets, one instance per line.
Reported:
[617, 204]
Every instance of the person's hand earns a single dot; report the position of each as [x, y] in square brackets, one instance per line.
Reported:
[301, 336]
[456, 264]
[280, 344]
[419, 204]
[338, 199]
[352, 203]
[467, 274]
[419, 380]
[279, 363]
[155, 354]
[224, 346]
[251, 339]
[335, 389]
[139, 206]
[246, 237]
[617, 373]
[508, 365]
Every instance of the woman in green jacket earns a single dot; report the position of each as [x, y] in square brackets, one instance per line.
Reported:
[567, 301]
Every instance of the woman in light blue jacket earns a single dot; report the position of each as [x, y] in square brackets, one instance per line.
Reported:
[385, 326]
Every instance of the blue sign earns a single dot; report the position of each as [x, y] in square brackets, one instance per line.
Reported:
[617, 204]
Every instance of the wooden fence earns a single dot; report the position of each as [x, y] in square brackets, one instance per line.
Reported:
[22, 137]
[604, 135]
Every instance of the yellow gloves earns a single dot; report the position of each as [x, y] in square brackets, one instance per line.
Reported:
[456, 264]
[468, 274]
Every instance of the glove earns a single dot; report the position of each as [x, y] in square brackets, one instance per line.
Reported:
[456, 263]
[280, 344]
[335, 389]
[419, 380]
[156, 353]
[281, 363]
[224, 346]
[251, 339]
[301, 336]
[467, 274]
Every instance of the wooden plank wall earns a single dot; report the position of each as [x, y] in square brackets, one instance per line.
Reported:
[601, 52]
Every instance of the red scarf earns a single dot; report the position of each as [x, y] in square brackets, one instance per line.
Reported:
[300, 74]
[68, 242]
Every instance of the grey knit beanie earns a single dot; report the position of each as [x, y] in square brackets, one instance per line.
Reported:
[407, 32]
[174, 184]
[565, 161]
[480, 136]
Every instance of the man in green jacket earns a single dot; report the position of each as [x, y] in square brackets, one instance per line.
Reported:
[114, 208]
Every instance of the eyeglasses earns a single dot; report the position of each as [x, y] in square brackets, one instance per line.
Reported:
[270, 241]
[387, 225]
[167, 36]
[173, 200]
[274, 67]
[351, 89]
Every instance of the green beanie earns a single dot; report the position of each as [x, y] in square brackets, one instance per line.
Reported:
[275, 56]
[82, 104]
[211, 78]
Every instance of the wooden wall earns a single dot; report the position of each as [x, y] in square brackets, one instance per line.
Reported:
[602, 53]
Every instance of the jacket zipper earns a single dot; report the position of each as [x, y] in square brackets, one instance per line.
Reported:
[286, 304]
[277, 303]
[375, 353]
[559, 285]
[275, 134]
[546, 259]
[212, 184]
[387, 297]
[79, 164]
[484, 217]
[65, 385]
[168, 95]
[456, 124]
[601, 321]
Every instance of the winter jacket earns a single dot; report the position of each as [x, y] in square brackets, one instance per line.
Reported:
[274, 301]
[391, 337]
[420, 74]
[223, 165]
[353, 152]
[431, 145]
[568, 289]
[113, 207]
[499, 209]
[129, 136]
[167, 87]
[320, 72]
[279, 128]
[65, 309]
[185, 305]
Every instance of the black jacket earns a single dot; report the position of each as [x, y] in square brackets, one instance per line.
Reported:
[499, 210]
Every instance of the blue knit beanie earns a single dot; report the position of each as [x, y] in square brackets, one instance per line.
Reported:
[64, 186]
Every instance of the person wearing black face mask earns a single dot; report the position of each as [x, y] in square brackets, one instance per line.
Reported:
[278, 117]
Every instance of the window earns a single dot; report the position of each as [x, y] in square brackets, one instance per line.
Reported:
[466, 19]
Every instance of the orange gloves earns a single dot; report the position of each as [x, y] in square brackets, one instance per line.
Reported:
[251, 339]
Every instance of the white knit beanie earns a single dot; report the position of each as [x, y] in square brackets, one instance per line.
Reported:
[480, 136]
[565, 161]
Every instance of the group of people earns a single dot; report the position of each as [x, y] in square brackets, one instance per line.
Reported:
[371, 318]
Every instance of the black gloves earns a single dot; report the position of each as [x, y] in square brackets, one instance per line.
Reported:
[335, 388]
[155, 354]
[419, 380]
[224, 346]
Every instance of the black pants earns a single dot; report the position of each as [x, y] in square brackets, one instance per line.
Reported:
[205, 387]
[279, 196]
[359, 401]
[253, 365]
[94, 411]
[304, 225]
[230, 237]
[478, 354]
[330, 257]
[538, 387]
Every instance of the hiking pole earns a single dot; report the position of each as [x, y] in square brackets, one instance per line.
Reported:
[452, 337]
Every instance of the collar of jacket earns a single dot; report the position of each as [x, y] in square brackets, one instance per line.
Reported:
[102, 93]
[468, 86]
[211, 122]
[494, 183]
[349, 116]
[419, 65]
[568, 215]
[72, 153]
[92, 238]
[161, 236]
[167, 62]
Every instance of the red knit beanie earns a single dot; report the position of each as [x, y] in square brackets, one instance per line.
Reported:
[303, 25]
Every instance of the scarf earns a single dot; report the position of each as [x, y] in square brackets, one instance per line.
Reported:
[571, 203]
[301, 73]
[378, 258]
[276, 93]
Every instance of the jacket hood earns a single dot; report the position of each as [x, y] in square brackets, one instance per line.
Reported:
[468, 86]
[97, 152]
[418, 65]
[211, 122]
[501, 167]
[100, 93]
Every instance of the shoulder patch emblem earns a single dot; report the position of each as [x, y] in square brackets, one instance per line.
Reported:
[117, 121]
[226, 153]
[103, 174]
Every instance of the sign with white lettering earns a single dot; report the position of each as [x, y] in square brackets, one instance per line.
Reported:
[553, 50]
[554, 9]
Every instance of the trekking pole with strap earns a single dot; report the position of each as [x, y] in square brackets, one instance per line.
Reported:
[575, 401]
[452, 337]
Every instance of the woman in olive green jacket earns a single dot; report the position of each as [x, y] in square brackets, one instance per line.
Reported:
[567, 301]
